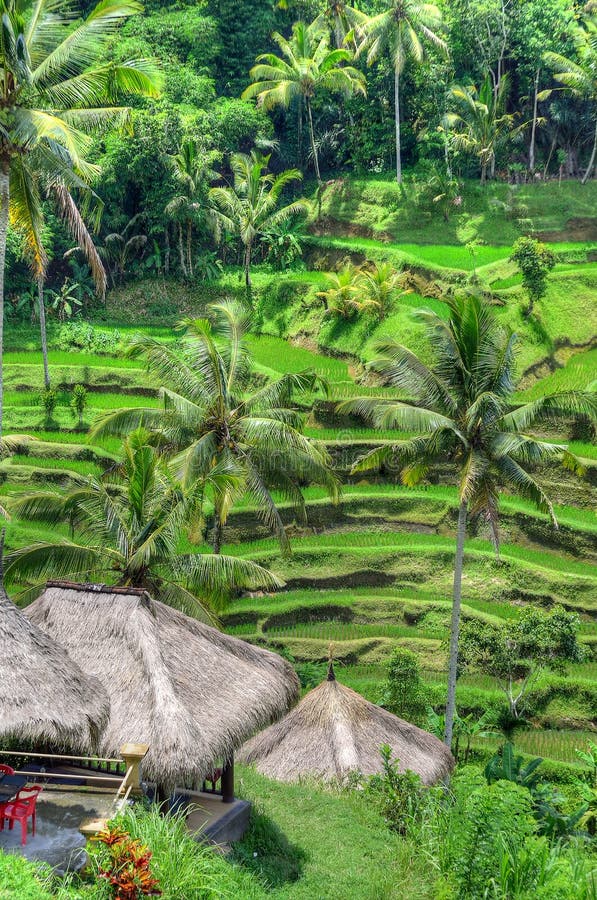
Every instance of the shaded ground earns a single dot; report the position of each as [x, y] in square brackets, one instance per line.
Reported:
[58, 840]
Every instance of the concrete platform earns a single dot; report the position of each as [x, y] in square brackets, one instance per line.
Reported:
[58, 840]
[211, 819]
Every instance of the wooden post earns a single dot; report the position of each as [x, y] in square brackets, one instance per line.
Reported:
[227, 780]
[132, 755]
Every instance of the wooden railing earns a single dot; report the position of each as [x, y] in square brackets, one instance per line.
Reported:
[100, 775]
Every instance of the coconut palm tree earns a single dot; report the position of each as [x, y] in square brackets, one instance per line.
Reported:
[481, 125]
[379, 285]
[129, 525]
[402, 31]
[251, 207]
[53, 91]
[580, 77]
[306, 66]
[209, 418]
[340, 19]
[463, 410]
[70, 214]
[193, 172]
[121, 248]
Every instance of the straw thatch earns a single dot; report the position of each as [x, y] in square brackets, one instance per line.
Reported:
[45, 698]
[334, 731]
[190, 692]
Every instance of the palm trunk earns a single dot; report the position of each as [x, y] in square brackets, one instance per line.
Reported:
[534, 126]
[4, 201]
[248, 254]
[397, 122]
[218, 529]
[190, 248]
[338, 33]
[312, 137]
[42, 328]
[589, 171]
[181, 251]
[484, 173]
[300, 131]
[455, 625]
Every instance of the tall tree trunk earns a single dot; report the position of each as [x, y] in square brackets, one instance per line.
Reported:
[190, 248]
[312, 137]
[534, 126]
[167, 250]
[42, 328]
[484, 173]
[591, 165]
[217, 529]
[300, 132]
[339, 37]
[397, 123]
[455, 625]
[181, 251]
[248, 254]
[549, 156]
[4, 200]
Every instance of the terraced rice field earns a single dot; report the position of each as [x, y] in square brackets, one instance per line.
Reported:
[373, 572]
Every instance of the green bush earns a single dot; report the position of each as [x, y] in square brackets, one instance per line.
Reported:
[404, 692]
[477, 826]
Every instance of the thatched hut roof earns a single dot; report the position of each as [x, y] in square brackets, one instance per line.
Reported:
[190, 692]
[334, 730]
[45, 697]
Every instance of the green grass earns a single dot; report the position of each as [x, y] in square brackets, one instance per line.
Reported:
[65, 358]
[83, 467]
[366, 542]
[578, 373]
[334, 842]
[380, 206]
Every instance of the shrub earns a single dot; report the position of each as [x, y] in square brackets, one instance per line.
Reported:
[82, 336]
[398, 795]
[404, 692]
[79, 401]
[125, 863]
[49, 399]
[477, 828]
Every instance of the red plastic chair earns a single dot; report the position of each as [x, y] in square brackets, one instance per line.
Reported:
[6, 770]
[22, 808]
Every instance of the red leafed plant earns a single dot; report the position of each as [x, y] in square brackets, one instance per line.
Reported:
[126, 865]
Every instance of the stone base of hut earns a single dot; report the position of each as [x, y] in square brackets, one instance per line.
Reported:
[214, 821]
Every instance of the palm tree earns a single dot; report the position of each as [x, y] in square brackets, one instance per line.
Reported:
[130, 525]
[53, 91]
[482, 125]
[121, 247]
[402, 31]
[340, 19]
[580, 78]
[250, 208]
[379, 284]
[71, 216]
[462, 408]
[209, 419]
[192, 167]
[307, 65]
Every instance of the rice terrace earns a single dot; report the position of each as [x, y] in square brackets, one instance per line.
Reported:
[298, 408]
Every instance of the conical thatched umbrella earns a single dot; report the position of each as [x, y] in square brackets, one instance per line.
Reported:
[45, 698]
[191, 693]
[334, 731]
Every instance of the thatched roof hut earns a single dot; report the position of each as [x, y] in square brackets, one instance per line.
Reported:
[334, 730]
[190, 692]
[45, 697]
